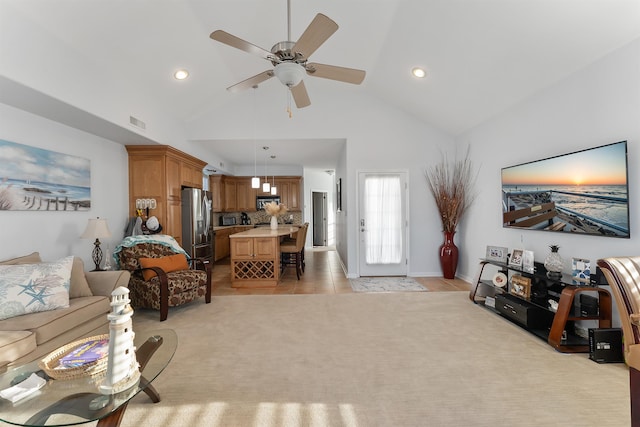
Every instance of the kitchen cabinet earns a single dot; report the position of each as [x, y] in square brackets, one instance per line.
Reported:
[159, 172]
[245, 195]
[255, 257]
[234, 193]
[230, 195]
[289, 192]
[222, 242]
[222, 249]
[217, 192]
[191, 175]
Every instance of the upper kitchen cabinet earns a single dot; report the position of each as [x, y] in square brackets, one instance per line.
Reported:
[191, 174]
[216, 186]
[230, 194]
[245, 195]
[159, 172]
[234, 193]
[289, 192]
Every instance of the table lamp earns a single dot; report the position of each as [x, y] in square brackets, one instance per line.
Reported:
[96, 229]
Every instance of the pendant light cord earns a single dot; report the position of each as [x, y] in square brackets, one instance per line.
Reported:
[255, 167]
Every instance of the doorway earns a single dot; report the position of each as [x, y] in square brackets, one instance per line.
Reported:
[319, 213]
[382, 223]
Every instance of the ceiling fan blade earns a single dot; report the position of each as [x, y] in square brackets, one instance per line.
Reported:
[300, 95]
[318, 31]
[347, 75]
[238, 43]
[251, 81]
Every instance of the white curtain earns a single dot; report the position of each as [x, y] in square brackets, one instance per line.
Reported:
[383, 219]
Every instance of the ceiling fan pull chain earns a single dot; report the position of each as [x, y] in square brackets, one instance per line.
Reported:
[289, 103]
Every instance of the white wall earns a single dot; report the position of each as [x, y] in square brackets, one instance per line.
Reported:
[57, 234]
[393, 140]
[342, 242]
[316, 180]
[377, 137]
[598, 105]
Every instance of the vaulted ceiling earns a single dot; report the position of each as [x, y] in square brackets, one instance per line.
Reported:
[481, 56]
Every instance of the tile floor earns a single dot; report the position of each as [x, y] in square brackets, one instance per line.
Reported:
[323, 275]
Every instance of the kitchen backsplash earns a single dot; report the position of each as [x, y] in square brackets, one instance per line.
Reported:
[260, 217]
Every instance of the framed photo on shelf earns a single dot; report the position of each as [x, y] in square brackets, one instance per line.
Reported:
[516, 258]
[527, 261]
[581, 271]
[520, 286]
[497, 253]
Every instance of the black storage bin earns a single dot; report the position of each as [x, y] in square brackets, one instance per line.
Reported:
[605, 345]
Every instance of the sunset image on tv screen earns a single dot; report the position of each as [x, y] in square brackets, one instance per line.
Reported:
[581, 192]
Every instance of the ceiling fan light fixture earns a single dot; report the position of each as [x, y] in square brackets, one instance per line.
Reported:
[289, 73]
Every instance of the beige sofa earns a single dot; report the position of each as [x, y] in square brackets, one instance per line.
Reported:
[31, 336]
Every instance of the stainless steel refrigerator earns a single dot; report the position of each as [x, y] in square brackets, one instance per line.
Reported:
[197, 228]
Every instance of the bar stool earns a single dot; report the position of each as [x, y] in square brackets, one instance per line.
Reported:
[292, 251]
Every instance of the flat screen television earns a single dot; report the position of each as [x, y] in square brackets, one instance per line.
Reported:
[584, 192]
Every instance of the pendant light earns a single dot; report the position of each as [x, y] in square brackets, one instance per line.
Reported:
[255, 181]
[266, 187]
[274, 190]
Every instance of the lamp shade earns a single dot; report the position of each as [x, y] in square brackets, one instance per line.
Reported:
[255, 182]
[289, 73]
[96, 229]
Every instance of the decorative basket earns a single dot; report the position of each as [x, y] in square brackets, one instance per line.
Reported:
[50, 364]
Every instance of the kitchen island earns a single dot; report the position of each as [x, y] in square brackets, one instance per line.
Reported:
[255, 256]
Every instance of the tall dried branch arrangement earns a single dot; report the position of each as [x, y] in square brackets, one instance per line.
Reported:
[451, 184]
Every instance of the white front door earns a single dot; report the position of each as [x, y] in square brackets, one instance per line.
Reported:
[382, 223]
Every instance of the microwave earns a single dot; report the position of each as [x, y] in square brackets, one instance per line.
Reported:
[227, 220]
[262, 200]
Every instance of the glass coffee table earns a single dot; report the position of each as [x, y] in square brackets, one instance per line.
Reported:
[78, 401]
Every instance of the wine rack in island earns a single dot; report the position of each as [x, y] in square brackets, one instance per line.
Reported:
[546, 304]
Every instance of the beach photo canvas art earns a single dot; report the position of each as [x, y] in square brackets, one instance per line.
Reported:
[35, 179]
[584, 192]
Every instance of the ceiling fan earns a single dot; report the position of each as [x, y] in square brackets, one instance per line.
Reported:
[290, 59]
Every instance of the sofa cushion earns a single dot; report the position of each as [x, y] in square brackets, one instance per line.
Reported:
[79, 286]
[15, 344]
[30, 288]
[49, 324]
[169, 264]
[32, 258]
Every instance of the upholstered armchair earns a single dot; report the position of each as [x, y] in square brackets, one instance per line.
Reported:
[162, 276]
[623, 275]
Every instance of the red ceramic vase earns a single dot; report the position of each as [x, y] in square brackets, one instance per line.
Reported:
[449, 256]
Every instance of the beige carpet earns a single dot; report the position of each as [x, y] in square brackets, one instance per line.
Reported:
[395, 359]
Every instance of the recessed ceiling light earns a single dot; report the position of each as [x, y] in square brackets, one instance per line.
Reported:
[181, 74]
[418, 72]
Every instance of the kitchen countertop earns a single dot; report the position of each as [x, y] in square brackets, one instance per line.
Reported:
[282, 230]
[225, 227]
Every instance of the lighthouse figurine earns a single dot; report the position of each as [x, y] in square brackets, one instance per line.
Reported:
[122, 366]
